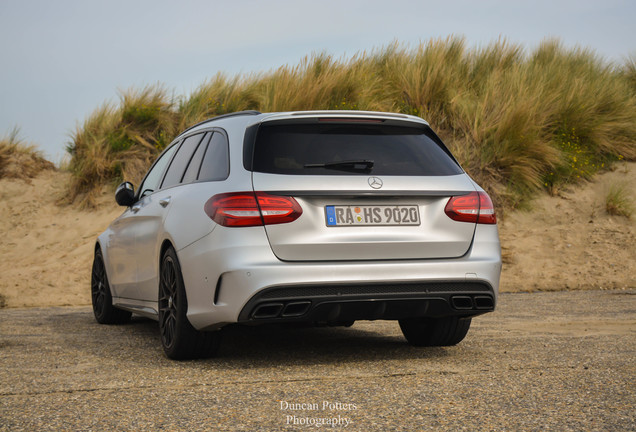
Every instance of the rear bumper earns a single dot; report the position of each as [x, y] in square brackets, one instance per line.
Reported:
[349, 302]
[245, 282]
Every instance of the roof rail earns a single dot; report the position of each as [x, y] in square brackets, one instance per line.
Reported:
[238, 113]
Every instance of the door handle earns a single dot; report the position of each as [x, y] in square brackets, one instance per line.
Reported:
[164, 201]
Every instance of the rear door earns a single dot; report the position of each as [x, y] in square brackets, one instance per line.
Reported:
[152, 211]
[369, 190]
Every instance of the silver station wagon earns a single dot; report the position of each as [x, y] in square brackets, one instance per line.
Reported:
[321, 217]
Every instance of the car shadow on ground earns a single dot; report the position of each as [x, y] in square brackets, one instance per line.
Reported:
[256, 346]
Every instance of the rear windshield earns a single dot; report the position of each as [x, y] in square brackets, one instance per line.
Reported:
[345, 149]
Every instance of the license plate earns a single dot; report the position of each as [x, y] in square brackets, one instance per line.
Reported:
[377, 215]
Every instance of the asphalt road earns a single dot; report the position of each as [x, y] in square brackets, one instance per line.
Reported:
[543, 361]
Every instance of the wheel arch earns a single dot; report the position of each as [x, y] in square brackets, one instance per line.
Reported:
[98, 248]
[101, 245]
[165, 245]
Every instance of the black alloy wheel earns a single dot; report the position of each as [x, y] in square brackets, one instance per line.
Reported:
[101, 298]
[179, 339]
[168, 301]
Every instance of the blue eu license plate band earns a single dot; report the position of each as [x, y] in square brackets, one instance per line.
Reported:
[331, 215]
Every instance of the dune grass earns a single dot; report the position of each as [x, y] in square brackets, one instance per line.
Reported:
[629, 70]
[19, 159]
[517, 121]
[117, 142]
[618, 201]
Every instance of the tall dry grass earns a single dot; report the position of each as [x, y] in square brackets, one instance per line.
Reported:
[517, 121]
[629, 70]
[117, 142]
[19, 159]
[618, 201]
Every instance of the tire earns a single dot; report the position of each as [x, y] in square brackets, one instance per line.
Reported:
[180, 341]
[435, 331]
[101, 297]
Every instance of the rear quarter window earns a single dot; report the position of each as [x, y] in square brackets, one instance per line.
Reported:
[192, 171]
[394, 150]
[181, 160]
[216, 163]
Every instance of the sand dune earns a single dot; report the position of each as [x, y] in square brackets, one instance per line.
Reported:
[566, 242]
[47, 249]
[570, 242]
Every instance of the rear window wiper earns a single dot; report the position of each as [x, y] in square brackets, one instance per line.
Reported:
[351, 165]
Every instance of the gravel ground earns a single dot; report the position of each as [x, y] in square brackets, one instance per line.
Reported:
[543, 361]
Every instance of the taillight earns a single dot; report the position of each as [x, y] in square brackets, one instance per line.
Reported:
[476, 207]
[242, 209]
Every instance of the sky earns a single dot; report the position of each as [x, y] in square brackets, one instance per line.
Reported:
[63, 59]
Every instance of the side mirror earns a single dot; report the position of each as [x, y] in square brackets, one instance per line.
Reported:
[125, 194]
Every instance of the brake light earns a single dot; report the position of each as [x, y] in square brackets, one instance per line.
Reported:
[348, 120]
[476, 207]
[243, 209]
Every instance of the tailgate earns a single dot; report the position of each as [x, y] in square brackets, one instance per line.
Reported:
[347, 221]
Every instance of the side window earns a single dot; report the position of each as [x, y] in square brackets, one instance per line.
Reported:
[181, 160]
[151, 182]
[216, 163]
[192, 171]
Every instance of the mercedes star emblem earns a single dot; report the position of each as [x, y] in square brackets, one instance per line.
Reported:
[375, 182]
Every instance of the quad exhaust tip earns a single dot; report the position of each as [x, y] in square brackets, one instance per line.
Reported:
[474, 302]
[283, 310]
[462, 302]
[484, 302]
[296, 309]
[267, 310]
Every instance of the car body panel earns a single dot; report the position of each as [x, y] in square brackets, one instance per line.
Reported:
[149, 222]
[120, 255]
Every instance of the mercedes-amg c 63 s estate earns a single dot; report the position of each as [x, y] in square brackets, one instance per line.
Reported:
[322, 217]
